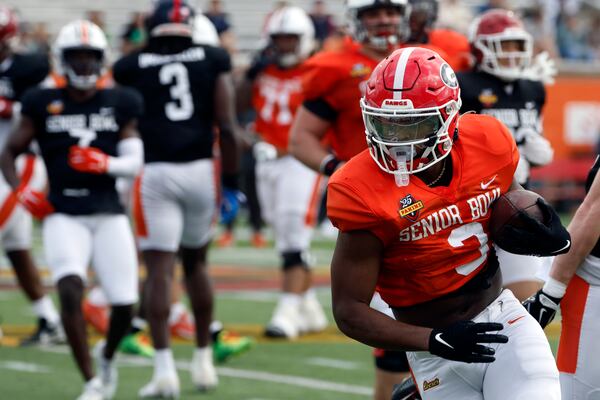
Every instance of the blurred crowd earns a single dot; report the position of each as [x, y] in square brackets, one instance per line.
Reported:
[566, 29]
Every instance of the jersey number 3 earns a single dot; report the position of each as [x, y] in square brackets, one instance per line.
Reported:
[457, 238]
[176, 76]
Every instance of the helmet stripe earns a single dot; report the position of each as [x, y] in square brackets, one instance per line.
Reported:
[400, 70]
[176, 11]
[84, 33]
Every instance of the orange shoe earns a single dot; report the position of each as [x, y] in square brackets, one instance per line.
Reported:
[96, 316]
[258, 240]
[225, 240]
[184, 327]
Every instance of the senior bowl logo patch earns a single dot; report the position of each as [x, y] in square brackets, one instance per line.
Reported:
[487, 98]
[55, 107]
[359, 70]
[409, 208]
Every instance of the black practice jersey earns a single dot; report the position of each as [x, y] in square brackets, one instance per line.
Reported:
[20, 72]
[61, 123]
[178, 91]
[588, 184]
[517, 104]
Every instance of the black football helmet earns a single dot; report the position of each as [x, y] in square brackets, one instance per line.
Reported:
[171, 18]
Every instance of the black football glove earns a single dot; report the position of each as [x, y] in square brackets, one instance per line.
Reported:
[261, 61]
[406, 390]
[461, 341]
[536, 239]
[542, 307]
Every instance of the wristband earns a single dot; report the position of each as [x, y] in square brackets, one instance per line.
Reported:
[230, 181]
[329, 164]
[554, 288]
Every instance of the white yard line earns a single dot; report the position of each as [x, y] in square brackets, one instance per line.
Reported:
[333, 363]
[24, 367]
[309, 383]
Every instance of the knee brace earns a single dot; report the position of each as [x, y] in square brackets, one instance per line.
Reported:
[293, 258]
[391, 361]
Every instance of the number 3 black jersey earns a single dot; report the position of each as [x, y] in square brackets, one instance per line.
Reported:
[517, 104]
[61, 123]
[178, 91]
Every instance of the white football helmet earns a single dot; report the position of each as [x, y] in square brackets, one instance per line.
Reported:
[292, 20]
[360, 33]
[205, 32]
[77, 36]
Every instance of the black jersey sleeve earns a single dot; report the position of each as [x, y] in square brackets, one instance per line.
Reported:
[131, 104]
[222, 60]
[33, 69]
[30, 102]
[124, 69]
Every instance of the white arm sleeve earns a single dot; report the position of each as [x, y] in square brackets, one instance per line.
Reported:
[537, 149]
[130, 158]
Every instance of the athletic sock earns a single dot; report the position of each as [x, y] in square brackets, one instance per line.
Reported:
[164, 363]
[44, 308]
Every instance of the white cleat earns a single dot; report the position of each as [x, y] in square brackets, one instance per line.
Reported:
[92, 390]
[164, 387]
[285, 323]
[202, 370]
[313, 315]
[107, 372]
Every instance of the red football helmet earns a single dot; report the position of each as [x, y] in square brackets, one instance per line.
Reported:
[489, 36]
[410, 110]
[9, 24]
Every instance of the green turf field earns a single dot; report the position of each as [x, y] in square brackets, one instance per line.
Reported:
[323, 366]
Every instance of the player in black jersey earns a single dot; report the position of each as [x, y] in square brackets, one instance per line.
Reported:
[574, 282]
[188, 90]
[497, 86]
[18, 72]
[87, 137]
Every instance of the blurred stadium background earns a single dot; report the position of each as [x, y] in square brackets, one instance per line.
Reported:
[247, 278]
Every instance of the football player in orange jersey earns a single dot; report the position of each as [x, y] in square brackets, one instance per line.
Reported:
[288, 190]
[413, 211]
[334, 82]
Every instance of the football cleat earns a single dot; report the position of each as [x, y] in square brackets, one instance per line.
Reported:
[313, 315]
[45, 334]
[107, 372]
[225, 240]
[286, 322]
[227, 344]
[258, 240]
[202, 370]
[96, 316]
[92, 390]
[165, 387]
[137, 344]
[184, 327]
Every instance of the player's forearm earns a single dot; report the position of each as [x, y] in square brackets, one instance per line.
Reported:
[130, 158]
[306, 147]
[373, 328]
[7, 164]
[230, 145]
[585, 232]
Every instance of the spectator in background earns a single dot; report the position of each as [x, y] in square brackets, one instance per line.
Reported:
[34, 38]
[454, 15]
[322, 21]
[491, 4]
[220, 20]
[571, 39]
[543, 34]
[134, 35]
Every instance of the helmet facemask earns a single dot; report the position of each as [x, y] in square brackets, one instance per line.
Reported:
[498, 60]
[404, 141]
[82, 67]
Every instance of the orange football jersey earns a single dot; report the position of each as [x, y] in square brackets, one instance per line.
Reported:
[277, 94]
[435, 238]
[455, 45]
[339, 77]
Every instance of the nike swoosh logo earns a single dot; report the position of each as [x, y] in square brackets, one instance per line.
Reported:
[564, 247]
[438, 337]
[512, 321]
[485, 185]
